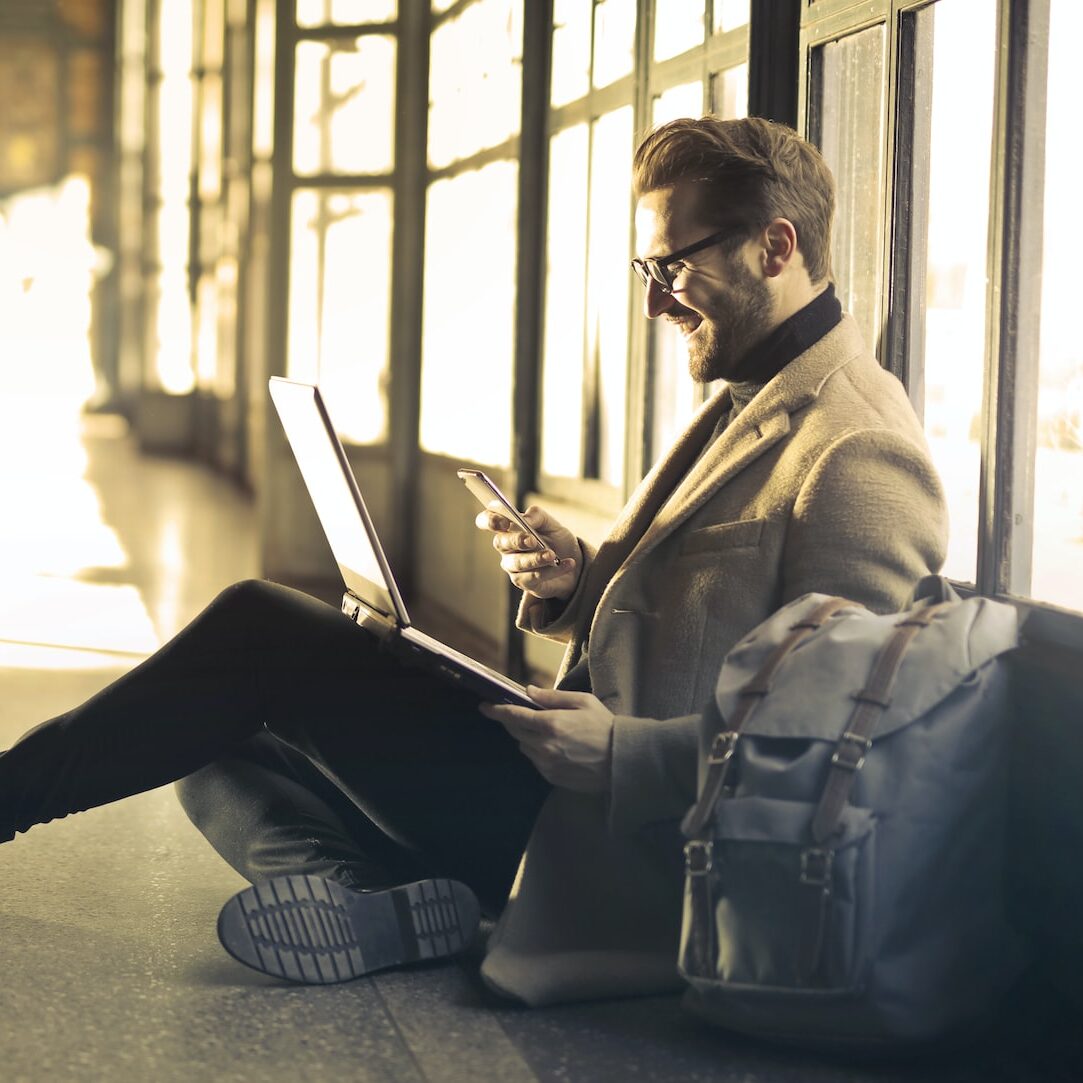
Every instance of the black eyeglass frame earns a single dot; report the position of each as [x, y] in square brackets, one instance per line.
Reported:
[657, 268]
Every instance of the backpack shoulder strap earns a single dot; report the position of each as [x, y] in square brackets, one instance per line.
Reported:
[856, 740]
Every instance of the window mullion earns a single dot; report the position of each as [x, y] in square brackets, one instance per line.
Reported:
[1006, 486]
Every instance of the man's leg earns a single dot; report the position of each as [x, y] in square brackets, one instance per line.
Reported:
[259, 655]
[265, 654]
[269, 811]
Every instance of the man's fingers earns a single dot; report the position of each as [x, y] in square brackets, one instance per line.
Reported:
[515, 563]
[491, 520]
[558, 698]
[512, 542]
[523, 723]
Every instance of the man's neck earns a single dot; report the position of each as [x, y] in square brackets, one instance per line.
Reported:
[799, 293]
[790, 338]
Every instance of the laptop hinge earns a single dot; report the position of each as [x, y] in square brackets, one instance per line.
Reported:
[360, 613]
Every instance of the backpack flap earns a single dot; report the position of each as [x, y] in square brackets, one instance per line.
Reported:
[811, 695]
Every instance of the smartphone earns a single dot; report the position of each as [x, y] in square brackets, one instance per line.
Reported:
[486, 490]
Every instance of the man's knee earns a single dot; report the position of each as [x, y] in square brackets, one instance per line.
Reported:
[245, 595]
[196, 795]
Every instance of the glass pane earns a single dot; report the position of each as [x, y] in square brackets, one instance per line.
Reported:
[571, 51]
[614, 40]
[729, 93]
[339, 304]
[680, 29]
[344, 106]
[851, 114]
[263, 86]
[210, 136]
[132, 126]
[133, 28]
[956, 164]
[468, 323]
[345, 12]
[565, 305]
[214, 33]
[729, 15]
[1058, 472]
[608, 282]
[685, 100]
[475, 80]
[169, 332]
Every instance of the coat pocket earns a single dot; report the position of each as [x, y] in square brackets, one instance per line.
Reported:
[781, 913]
[745, 533]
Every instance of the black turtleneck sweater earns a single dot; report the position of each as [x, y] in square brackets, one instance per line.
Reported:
[789, 340]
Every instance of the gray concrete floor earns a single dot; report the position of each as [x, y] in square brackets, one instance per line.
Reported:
[109, 966]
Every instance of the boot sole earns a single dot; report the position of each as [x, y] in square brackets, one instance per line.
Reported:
[308, 929]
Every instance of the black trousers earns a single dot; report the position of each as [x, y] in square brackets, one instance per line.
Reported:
[301, 746]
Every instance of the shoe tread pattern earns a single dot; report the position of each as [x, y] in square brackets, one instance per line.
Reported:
[312, 930]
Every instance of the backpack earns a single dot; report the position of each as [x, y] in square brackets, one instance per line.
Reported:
[844, 868]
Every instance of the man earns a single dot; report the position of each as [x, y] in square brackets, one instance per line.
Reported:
[330, 774]
[808, 472]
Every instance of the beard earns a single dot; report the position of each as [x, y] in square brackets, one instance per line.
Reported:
[739, 318]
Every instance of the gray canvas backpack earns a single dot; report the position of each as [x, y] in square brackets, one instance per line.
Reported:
[844, 858]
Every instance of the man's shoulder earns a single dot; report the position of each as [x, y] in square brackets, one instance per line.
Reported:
[848, 385]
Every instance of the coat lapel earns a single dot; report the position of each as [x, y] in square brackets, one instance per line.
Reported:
[761, 425]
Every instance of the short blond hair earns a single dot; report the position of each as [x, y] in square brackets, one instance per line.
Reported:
[749, 170]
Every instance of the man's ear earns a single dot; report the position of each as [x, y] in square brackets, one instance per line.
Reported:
[779, 246]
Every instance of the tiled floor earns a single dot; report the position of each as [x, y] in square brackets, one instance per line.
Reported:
[109, 967]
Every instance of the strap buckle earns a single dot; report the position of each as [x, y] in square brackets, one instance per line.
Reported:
[816, 867]
[722, 747]
[698, 859]
[851, 751]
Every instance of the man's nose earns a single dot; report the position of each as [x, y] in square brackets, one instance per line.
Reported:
[656, 300]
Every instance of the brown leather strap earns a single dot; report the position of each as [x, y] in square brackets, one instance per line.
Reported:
[749, 698]
[856, 739]
[697, 950]
[816, 884]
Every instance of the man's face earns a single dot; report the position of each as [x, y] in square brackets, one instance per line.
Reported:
[720, 304]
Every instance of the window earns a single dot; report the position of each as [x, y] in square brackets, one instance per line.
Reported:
[597, 366]
[341, 209]
[951, 163]
[468, 317]
[957, 270]
[674, 396]
[1057, 535]
[168, 343]
[850, 101]
[340, 252]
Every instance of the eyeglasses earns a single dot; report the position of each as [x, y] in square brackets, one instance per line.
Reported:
[659, 269]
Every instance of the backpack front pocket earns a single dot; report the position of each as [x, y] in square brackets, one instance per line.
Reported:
[764, 907]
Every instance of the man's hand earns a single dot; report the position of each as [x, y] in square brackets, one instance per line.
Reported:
[531, 569]
[569, 739]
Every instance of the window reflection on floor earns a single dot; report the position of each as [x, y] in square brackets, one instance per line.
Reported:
[53, 531]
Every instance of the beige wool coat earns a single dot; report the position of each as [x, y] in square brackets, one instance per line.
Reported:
[822, 483]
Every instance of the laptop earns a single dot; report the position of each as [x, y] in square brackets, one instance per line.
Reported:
[372, 597]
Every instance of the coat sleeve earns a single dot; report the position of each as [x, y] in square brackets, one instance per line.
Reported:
[653, 774]
[551, 617]
[869, 521]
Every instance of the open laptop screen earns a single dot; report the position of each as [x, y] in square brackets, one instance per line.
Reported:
[335, 496]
